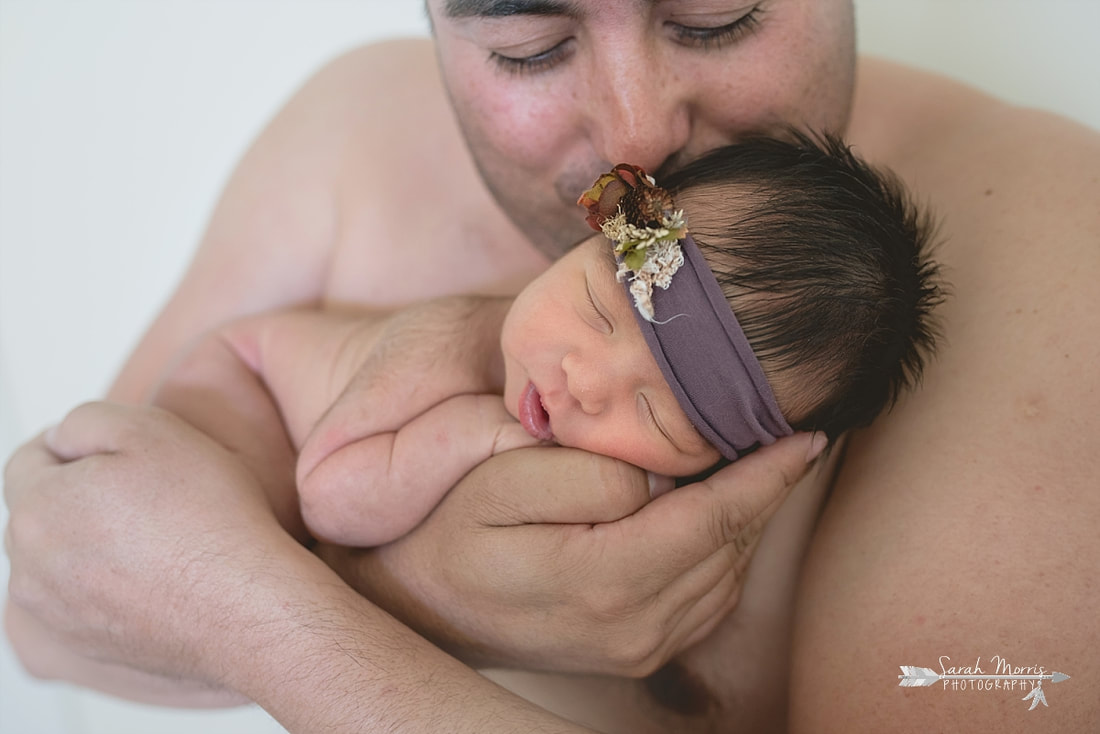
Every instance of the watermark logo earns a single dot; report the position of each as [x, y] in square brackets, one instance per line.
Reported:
[1006, 677]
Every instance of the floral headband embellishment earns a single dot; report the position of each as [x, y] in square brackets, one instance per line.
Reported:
[640, 218]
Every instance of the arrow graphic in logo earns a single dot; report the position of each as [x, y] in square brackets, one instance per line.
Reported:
[913, 676]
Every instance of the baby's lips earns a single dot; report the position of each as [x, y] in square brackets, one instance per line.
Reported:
[533, 416]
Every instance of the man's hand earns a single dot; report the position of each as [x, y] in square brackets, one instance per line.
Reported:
[132, 538]
[137, 541]
[556, 559]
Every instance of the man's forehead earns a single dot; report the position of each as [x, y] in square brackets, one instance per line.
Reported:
[506, 8]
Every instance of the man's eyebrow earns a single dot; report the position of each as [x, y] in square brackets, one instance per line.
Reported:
[506, 8]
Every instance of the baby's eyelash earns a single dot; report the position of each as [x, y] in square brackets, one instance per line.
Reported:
[595, 309]
[652, 418]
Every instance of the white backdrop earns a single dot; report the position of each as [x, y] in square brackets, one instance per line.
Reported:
[121, 119]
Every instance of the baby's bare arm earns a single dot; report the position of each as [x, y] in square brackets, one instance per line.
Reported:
[395, 364]
[214, 388]
[388, 410]
[257, 385]
[376, 489]
[304, 358]
[417, 412]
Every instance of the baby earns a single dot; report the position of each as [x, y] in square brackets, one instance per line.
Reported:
[770, 286]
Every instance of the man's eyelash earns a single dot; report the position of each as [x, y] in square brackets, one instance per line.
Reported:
[704, 38]
[714, 38]
[532, 64]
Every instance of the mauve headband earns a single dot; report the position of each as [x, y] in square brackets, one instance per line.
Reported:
[686, 320]
[707, 361]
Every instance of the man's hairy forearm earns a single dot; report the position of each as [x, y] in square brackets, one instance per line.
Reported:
[46, 658]
[336, 663]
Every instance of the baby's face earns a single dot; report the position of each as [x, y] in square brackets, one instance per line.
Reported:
[578, 371]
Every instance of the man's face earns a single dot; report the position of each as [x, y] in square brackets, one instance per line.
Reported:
[578, 370]
[551, 93]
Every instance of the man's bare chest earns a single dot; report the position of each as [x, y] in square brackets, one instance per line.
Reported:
[681, 697]
[388, 252]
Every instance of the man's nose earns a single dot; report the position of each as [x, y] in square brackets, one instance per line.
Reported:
[640, 114]
[588, 383]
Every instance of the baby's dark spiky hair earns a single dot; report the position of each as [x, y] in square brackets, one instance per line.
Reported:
[827, 265]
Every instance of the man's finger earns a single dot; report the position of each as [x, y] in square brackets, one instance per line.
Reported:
[706, 608]
[25, 464]
[684, 527]
[558, 486]
[90, 428]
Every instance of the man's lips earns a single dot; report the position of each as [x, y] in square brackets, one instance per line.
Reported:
[532, 416]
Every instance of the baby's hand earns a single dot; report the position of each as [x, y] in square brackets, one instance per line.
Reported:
[507, 433]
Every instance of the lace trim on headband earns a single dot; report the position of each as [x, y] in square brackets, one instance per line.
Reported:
[645, 227]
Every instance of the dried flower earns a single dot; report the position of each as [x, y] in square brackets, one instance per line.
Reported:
[639, 217]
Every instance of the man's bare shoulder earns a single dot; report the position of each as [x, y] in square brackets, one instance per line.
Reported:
[963, 523]
[930, 128]
[415, 219]
[368, 92]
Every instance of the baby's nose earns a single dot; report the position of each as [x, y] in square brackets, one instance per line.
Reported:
[587, 383]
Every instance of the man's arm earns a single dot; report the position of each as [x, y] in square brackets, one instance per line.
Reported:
[238, 605]
[216, 391]
[964, 523]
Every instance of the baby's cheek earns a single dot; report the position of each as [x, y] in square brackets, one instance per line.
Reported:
[511, 389]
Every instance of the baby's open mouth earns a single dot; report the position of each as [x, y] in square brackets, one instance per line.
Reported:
[532, 414]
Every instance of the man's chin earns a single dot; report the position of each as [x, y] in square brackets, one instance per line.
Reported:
[553, 231]
[550, 217]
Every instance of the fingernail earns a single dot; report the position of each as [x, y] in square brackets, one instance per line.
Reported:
[50, 435]
[817, 445]
[659, 484]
